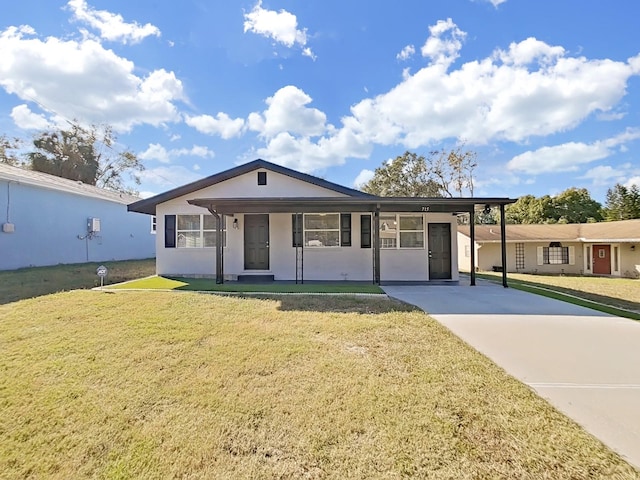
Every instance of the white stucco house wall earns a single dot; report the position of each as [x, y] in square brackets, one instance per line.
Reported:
[48, 220]
[279, 224]
[603, 248]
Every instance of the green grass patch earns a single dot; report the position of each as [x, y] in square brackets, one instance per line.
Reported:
[619, 299]
[104, 384]
[209, 285]
[36, 281]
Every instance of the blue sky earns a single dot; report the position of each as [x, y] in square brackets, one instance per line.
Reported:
[547, 93]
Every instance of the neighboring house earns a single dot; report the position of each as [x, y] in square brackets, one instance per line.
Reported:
[264, 221]
[604, 248]
[48, 220]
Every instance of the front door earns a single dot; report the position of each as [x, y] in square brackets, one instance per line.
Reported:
[439, 251]
[256, 242]
[601, 259]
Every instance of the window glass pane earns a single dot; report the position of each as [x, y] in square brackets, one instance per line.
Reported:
[411, 223]
[189, 240]
[322, 221]
[209, 239]
[388, 223]
[321, 238]
[411, 240]
[388, 242]
[209, 222]
[188, 222]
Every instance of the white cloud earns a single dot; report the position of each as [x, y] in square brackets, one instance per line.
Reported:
[568, 156]
[99, 86]
[406, 53]
[441, 49]
[531, 89]
[495, 3]
[167, 177]
[288, 112]
[155, 151]
[221, 125]
[633, 181]
[363, 178]
[111, 26]
[280, 26]
[23, 117]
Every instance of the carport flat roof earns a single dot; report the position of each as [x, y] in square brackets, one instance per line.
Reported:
[228, 206]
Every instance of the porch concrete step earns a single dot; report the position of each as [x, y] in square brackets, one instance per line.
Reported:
[255, 278]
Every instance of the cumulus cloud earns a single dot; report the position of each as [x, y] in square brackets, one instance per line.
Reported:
[568, 156]
[155, 151]
[530, 89]
[288, 112]
[280, 26]
[221, 124]
[99, 86]
[23, 117]
[111, 26]
[406, 53]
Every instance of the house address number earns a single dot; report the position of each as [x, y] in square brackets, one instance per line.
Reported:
[425, 208]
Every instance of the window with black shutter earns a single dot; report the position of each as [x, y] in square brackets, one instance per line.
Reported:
[345, 229]
[365, 231]
[296, 222]
[169, 231]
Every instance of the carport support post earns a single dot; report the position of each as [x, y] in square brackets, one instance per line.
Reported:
[472, 248]
[503, 241]
[376, 246]
[219, 247]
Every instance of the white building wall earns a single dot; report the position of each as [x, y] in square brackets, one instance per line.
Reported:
[329, 263]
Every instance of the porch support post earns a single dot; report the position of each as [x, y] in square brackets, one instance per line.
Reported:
[219, 246]
[472, 248]
[376, 245]
[503, 240]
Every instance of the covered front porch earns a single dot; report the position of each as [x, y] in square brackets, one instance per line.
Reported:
[370, 212]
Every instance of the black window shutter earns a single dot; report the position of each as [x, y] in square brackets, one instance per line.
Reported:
[296, 222]
[365, 231]
[345, 229]
[262, 178]
[169, 231]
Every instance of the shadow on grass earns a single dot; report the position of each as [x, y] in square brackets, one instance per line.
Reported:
[338, 304]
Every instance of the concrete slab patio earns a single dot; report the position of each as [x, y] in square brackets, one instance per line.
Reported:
[584, 362]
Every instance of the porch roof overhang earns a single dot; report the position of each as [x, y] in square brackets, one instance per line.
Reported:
[230, 206]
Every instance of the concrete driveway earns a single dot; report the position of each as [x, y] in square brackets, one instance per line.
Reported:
[584, 362]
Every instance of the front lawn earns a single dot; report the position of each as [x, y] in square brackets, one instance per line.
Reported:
[36, 281]
[103, 384]
[209, 285]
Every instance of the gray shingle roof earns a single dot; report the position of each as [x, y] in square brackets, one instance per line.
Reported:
[620, 231]
[51, 182]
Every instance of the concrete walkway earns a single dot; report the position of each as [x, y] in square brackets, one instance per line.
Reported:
[584, 362]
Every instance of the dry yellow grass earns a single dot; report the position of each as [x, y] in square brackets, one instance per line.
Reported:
[185, 385]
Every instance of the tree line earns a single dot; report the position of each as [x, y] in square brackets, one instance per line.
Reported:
[89, 155]
[448, 173]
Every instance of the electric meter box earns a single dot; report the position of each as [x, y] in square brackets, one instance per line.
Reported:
[93, 225]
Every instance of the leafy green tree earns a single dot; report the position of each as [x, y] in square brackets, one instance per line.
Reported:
[441, 174]
[575, 205]
[86, 155]
[622, 203]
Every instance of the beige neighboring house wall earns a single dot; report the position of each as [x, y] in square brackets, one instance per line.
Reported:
[605, 248]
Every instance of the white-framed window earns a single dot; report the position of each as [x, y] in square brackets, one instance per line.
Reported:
[153, 224]
[198, 231]
[556, 254]
[401, 231]
[321, 230]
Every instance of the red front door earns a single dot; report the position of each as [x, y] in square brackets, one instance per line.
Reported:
[602, 259]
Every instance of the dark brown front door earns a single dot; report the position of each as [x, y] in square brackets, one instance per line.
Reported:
[602, 259]
[256, 242]
[439, 251]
